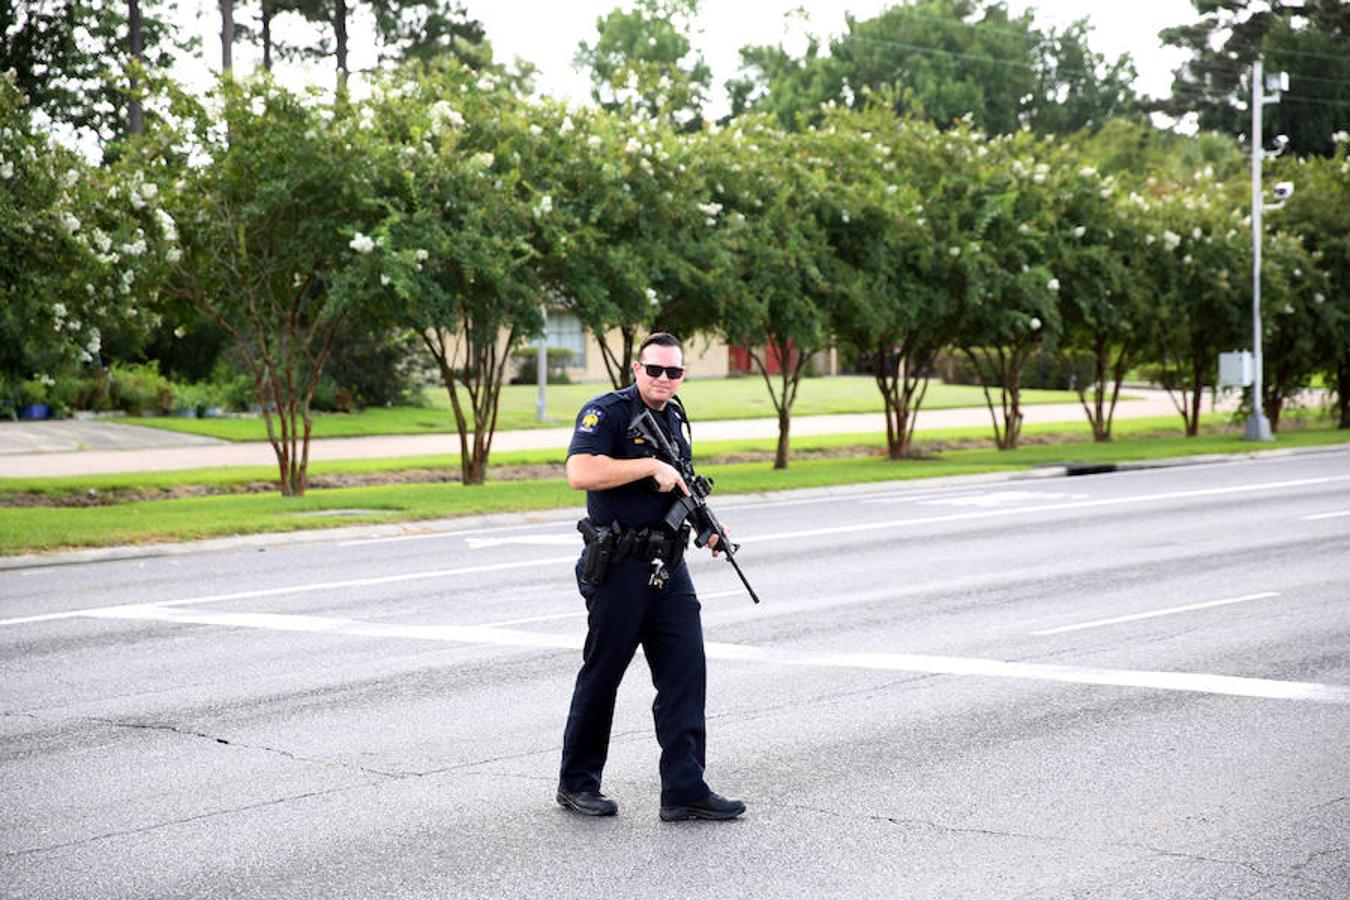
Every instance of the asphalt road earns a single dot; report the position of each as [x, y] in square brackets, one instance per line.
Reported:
[1124, 685]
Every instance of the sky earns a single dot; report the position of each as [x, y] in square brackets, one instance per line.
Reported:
[547, 32]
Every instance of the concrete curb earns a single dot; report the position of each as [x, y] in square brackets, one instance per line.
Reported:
[468, 524]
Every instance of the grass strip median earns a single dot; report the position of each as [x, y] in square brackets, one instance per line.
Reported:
[821, 461]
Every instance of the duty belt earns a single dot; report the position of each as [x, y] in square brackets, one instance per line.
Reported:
[608, 544]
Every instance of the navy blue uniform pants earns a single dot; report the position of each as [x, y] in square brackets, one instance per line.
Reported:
[625, 613]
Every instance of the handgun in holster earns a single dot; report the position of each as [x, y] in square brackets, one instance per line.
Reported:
[599, 552]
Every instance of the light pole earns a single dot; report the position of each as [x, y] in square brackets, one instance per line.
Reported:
[541, 372]
[1258, 426]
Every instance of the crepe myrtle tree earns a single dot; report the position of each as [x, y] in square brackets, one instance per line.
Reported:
[1297, 322]
[453, 253]
[626, 250]
[1012, 237]
[1319, 213]
[768, 195]
[1102, 294]
[267, 218]
[81, 247]
[897, 294]
[1199, 265]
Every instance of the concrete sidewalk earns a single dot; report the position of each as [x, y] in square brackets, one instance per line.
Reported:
[40, 449]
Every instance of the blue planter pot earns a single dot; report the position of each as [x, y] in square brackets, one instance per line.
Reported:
[34, 411]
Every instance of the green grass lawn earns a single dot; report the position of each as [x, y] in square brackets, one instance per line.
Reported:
[708, 399]
[39, 528]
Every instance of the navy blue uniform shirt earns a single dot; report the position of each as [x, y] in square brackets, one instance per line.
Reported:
[602, 430]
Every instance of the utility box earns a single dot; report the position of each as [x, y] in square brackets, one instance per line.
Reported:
[1236, 369]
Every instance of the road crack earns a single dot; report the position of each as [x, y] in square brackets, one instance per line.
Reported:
[183, 821]
[174, 729]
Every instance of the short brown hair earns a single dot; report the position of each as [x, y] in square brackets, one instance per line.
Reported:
[660, 339]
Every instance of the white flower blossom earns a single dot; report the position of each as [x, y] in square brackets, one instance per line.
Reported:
[595, 142]
[421, 255]
[173, 255]
[1149, 239]
[1034, 324]
[544, 206]
[1171, 240]
[536, 130]
[1197, 233]
[954, 251]
[632, 146]
[710, 209]
[134, 249]
[1186, 259]
[179, 331]
[71, 177]
[69, 222]
[1080, 231]
[1319, 297]
[6, 170]
[384, 279]
[59, 310]
[651, 297]
[844, 215]
[361, 243]
[1340, 137]
[484, 160]
[1052, 284]
[258, 106]
[1087, 171]
[167, 226]
[891, 189]
[566, 127]
[443, 114]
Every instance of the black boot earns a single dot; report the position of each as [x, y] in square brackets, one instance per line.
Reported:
[713, 806]
[588, 803]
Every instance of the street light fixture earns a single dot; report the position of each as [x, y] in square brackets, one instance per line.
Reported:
[1258, 426]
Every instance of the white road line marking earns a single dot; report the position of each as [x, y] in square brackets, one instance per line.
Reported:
[552, 618]
[1048, 507]
[542, 540]
[1330, 515]
[995, 499]
[580, 614]
[1157, 612]
[1228, 685]
[302, 588]
[715, 595]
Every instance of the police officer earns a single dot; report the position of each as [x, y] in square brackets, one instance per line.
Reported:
[640, 595]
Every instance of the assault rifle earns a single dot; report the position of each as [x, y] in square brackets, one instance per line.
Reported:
[693, 507]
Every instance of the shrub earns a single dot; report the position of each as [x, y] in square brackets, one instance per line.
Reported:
[527, 365]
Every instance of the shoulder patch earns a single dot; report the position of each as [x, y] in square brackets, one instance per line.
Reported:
[590, 419]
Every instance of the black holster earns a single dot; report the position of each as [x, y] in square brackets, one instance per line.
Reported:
[598, 555]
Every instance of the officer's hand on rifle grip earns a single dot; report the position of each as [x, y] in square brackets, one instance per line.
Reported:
[667, 477]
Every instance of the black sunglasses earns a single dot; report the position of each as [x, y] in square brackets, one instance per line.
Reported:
[674, 373]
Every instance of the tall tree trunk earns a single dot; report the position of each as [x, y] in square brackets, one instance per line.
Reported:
[619, 367]
[227, 36]
[268, 11]
[135, 114]
[340, 40]
[1343, 390]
